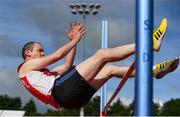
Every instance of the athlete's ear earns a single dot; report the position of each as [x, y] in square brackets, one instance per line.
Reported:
[28, 53]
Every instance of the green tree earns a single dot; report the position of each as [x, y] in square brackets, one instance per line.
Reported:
[63, 112]
[171, 108]
[156, 108]
[93, 107]
[10, 103]
[118, 109]
[130, 109]
[30, 108]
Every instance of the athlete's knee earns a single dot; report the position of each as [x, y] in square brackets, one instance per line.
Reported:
[102, 53]
[111, 70]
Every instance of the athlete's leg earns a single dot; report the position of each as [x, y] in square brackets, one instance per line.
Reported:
[90, 67]
[108, 72]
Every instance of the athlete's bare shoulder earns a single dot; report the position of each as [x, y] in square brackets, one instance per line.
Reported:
[24, 68]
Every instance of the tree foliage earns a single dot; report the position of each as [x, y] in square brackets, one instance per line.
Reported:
[30, 108]
[170, 108]
[93, 107]
[156, 109]
[10, 103]
[118, 109]
[62, 112]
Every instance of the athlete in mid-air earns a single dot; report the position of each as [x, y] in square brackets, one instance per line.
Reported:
[71, 86]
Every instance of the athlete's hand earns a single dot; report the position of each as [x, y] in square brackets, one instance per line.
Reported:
[75, 32]
[69, 32]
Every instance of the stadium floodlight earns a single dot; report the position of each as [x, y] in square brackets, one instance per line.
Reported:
[97, 5]
[87, 11]
[78, 5]
[71, 5]
[84, 8]
[94, 12]
[91, 5]
[83, 5]
[81, 11]
[73, 11]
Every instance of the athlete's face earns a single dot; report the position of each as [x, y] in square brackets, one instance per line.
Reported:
[37, 51]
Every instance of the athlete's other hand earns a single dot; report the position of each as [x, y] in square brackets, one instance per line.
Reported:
[75, 32]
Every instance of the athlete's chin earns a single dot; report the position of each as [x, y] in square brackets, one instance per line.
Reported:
[38, 57]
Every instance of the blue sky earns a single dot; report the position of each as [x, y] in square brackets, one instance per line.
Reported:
[46, 20]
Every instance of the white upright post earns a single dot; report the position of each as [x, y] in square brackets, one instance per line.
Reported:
[104, 45]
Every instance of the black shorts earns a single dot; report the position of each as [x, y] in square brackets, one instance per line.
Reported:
[71, 91]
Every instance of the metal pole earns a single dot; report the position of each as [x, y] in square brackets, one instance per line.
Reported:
[84, 57]
[104, 45]
[144, 58]
[84, 39]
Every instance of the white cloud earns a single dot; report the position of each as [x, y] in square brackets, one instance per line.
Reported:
[126, 101]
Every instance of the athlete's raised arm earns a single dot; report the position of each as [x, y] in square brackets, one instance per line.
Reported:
[69, 58]
[37, 60]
